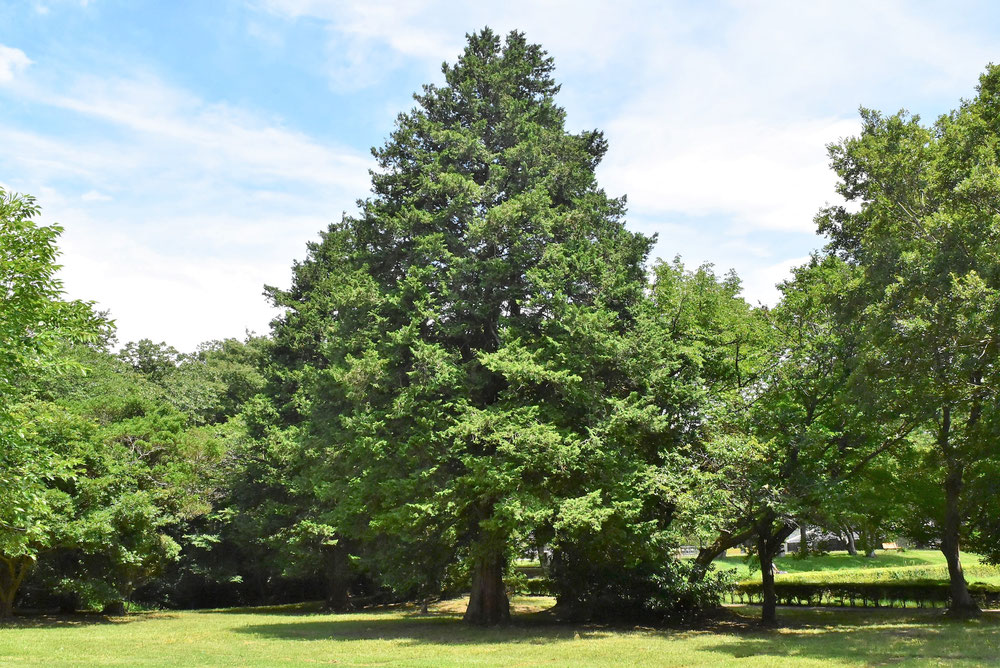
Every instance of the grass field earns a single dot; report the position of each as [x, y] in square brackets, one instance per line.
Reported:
[295, 636]
[842, 567]
[302, 636]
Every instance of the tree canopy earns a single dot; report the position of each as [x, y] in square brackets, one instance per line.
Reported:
[481, 365]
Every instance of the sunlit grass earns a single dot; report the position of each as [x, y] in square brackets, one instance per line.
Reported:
[887, 565]
[299, 635]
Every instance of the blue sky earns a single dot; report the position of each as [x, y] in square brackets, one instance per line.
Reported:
[191, 149]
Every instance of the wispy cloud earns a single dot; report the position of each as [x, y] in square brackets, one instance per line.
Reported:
[94, 196]
[12, 61]
[200, 203]
[182, 195]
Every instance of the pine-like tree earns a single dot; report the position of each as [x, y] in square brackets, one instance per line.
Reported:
[460, 341]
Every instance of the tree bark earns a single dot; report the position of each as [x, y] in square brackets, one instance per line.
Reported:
[769, 540]
[852, 549]
[11, 578]
[803, 541]
[114, 609]
[488, 603]
[707, 555]
[961, 601]
[769, 599]
[338, 579]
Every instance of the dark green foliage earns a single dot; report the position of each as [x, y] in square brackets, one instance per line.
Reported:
[606, 583]
[458, 347]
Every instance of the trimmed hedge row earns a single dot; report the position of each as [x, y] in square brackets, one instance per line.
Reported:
[536, 587]
[912, 593]
[899, 594]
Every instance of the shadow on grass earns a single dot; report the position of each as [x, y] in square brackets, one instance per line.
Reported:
[80, 619]
[308, 608]
[875, 638]
[442, 625]
[863, 636]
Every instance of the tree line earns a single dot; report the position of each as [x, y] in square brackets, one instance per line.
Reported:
[482, 364]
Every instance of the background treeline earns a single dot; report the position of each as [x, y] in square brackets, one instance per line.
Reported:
[481, 365]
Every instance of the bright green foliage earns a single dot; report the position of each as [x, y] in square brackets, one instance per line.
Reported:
[924, 233]
[134, 475]
[34, 323]
[35, 320]
[463, 334]
[212, 384]
[153, 360]
[797, 436]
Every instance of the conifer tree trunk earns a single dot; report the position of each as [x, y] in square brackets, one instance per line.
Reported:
[338, 579]
[488, 603]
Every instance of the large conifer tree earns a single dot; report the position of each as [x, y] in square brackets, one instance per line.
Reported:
[460, 340]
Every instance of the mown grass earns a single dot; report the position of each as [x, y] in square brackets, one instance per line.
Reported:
[886, 566]
[299, 636]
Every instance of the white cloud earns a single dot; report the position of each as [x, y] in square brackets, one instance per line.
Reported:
[716, 113]
[720, 109]
[763, 175]
[12, 61]
[760, 284]
[210, 202]
[211, 136]
[95, 196]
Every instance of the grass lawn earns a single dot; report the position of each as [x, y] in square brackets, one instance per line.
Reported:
[888, 565]
[294, 636]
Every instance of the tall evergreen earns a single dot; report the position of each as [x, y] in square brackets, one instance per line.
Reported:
[459, 342]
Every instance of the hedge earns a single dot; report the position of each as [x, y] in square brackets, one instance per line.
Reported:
[913, 593]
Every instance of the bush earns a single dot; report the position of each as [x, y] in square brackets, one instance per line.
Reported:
[646, 592]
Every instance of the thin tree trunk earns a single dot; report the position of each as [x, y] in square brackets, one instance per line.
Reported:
[769, 599]
[852, 549]
[961, 601]
[803, 541]
[769, 540]
[488, 603]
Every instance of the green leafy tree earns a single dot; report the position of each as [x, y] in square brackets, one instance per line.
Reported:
[212, 384]
[800, 433]
[35, 322]
[614, 548]
[137, 475]
[458, 337]
[156, 361]
[922, 229]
